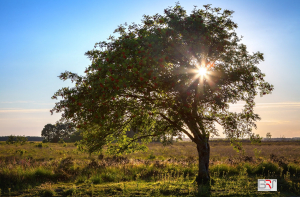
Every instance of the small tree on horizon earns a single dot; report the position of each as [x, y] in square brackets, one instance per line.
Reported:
[11, 139]
[268, 136]
[153, 78]
[48, 132]
[16, 139]
[64, 130]
[76, 136]
[53, 133]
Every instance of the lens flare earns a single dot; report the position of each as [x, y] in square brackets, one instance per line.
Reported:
[202, 71]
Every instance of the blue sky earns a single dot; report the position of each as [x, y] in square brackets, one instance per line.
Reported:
[41, 39]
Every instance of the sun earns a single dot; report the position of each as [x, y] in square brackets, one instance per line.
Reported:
[202, 71]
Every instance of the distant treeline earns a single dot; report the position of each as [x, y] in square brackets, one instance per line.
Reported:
[282, 139]
[248, 140]
[130, 134]
[29, 138]
[264, 139]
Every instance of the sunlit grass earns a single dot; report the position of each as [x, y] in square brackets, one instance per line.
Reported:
[160, 171]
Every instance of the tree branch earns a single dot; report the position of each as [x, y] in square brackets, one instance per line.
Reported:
[174, 124]
[124, 148]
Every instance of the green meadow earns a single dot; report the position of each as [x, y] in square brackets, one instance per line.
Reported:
[59, 169]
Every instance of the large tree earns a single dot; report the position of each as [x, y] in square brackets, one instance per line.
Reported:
[174, 74]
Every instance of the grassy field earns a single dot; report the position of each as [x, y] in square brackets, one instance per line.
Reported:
[36, 169]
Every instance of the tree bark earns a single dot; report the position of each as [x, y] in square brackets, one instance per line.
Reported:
[203, 153]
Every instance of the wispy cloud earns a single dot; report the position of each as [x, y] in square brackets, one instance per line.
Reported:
[16, 101]
[274, 121]
[31, 102]
[45, 104]
[268, 105]
[23, 110]
[262, 105]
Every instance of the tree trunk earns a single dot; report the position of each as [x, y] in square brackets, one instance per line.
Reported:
[203, 153]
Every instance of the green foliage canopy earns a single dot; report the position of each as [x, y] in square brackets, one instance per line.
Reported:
[147, 78]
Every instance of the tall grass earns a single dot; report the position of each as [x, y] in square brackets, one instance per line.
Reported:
[174, 174]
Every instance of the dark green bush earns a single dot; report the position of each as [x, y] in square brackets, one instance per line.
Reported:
[47, 193]
[151, 156]
[21, 151]
[265, 167]
[40, 145]
[61, 141]
[16, 139]
[96, 179]
[70, 192]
